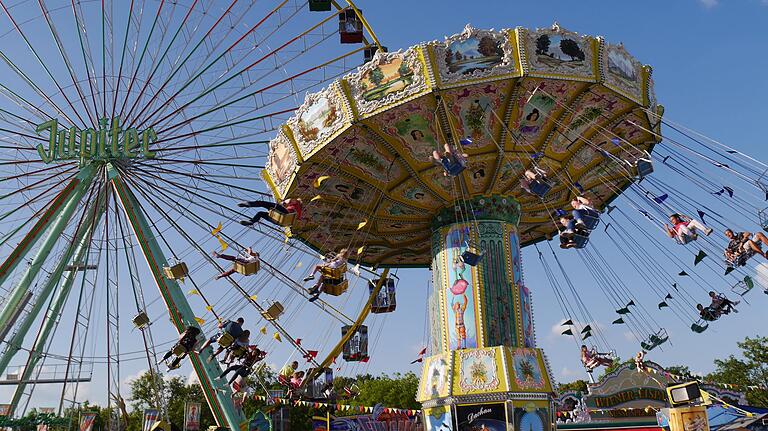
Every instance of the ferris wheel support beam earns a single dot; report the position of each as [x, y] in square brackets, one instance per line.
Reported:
[54, 220]
[217, 393]
[78, 249]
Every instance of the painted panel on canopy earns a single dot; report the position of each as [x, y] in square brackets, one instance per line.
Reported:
[479, 172]
[440, 183]
[460, 289]
[509, 173]
[394, 227]
[558, 52]
[471, 113]
[474, 55]
[320, 118]
[413, 193]
[408, 256]
[410, 128]
[281, 162]
[389, 209]
[593, 108]
[599, 173]
[390, 79]
[359, 153]
[479, 371]
[538, 104]
[634, 128]
[357, 192]
[622, 72]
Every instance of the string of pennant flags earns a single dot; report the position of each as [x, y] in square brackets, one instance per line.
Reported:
[700, 380]
[337, 407]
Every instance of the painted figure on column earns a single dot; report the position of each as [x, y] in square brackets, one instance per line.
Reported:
[525, 305]
[461, 291]
[461, 329]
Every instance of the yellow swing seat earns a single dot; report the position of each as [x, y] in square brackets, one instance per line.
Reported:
[225, 340]
[141, 320]
[274, 311]
[284, 220]
[238, 351]
[249, 268]
[179, 350]
[335, 273]
[176, 272]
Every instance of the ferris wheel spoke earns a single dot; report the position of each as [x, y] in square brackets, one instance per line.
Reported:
[137, 64]
[123, 50]
[88, 62]
[185, 188]
[158, 61]
[190, 80]
[272, 54]
[179, 67]
[44, 66]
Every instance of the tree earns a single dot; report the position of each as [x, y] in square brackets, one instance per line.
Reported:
[377, 76]
[458, 56]
[577, 385]
[487, 47]
[751, 370]
[404, 70]
[175, 391]
[542, 44]
[571, 49]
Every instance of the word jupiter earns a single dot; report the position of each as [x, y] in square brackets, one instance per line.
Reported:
[109, 142]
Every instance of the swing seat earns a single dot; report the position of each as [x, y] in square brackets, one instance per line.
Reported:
[743, 287]
[644, 167]
[179, 350]
[249, 268]
[580, 241]
[319, 5]
[350, 27]
[385, 301]
[763, 217]
[685, 239]
[141, 320]
[176, 272]
[655, 340]
[274, 311]
[174, 364]
[284, 220]
[590, 222]
[453, 168]
[335, 286]
[335, 273]
[540, 187]
[238, 351]
[471, 256]
[699, 326]
[225, 340]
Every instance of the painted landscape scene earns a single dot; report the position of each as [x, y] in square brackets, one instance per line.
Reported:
[555, 50]
[473, 54]
[386, 78]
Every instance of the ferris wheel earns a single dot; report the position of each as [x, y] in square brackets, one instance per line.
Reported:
[130, 130]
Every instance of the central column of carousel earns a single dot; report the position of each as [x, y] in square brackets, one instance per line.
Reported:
[486, 372]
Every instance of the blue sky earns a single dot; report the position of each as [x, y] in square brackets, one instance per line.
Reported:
[709, 72]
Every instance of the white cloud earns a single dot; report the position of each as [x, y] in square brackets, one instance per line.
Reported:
[566, 372]
[710, 3]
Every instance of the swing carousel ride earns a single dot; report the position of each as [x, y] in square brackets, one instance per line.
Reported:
[128, 169]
